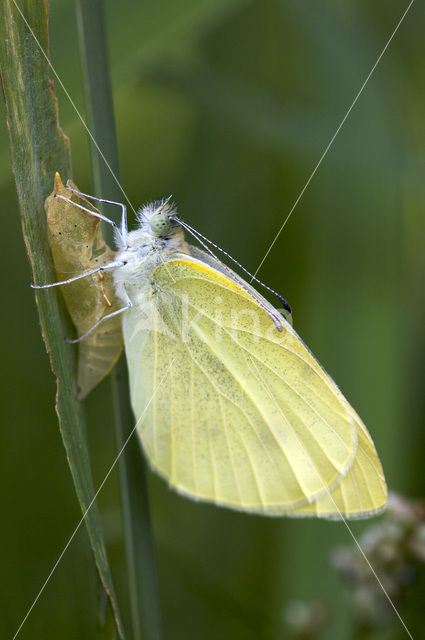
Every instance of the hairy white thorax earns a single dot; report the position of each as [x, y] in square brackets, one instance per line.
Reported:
[145, 248]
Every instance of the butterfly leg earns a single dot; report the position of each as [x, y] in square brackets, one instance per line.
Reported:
[80, 206]
[124, 229]
[101, 321]
[105, 267]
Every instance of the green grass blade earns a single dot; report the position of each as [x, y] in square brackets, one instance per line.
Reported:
[141, 568]
[38, 148]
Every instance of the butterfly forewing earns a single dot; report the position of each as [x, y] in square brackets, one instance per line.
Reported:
[244, 415]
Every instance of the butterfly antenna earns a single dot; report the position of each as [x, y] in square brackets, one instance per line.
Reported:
[199, 237]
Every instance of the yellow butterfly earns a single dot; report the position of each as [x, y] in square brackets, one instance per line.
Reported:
[231, 406]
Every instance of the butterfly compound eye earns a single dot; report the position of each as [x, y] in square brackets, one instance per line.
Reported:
[160, 224]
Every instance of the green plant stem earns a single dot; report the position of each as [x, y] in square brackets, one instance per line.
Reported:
[38, 148]
[141, 568]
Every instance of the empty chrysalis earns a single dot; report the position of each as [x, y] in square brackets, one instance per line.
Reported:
[231, 406]
[77, 246]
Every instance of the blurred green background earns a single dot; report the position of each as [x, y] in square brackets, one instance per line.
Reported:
[228, 105]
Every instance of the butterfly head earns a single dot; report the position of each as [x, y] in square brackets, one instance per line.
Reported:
[159, 218]
[159, 229]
